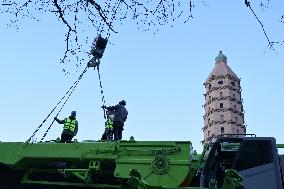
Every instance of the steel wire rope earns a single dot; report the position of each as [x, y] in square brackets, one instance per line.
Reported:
[80, 77]
[52, 110]
[102, 92]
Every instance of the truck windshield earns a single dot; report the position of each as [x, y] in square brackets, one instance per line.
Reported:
[227, 146]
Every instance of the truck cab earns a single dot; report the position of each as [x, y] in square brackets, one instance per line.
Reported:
[255, 159]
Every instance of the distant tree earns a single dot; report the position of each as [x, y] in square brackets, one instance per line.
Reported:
[105, 15]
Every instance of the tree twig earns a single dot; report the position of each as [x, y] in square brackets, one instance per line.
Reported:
[61, 16]
[247, 3]
[102, 15]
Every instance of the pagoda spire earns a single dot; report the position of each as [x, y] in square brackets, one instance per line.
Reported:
[220, 58]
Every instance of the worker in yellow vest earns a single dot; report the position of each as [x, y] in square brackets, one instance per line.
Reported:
[70, 127]
[108, 134]
[120, 116]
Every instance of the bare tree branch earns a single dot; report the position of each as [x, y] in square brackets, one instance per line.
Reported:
[21, 7]
[83, 17]
[101, 13]
[247, 3]
[61, 16]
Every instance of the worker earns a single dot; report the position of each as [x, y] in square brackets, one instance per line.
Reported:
[108, 134]
[97, 50]
[70, 128]
[120, 116]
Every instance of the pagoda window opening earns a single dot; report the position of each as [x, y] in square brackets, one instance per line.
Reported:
[234, 96]
[221, 94]
[233, 83]
[221, 105]
[210, 86]
[222, 130]
[220, 82]
[222, 117]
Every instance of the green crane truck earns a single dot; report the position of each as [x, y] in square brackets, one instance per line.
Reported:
[229, 163]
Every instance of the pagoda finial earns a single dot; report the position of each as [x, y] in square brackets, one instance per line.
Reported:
[221, 58]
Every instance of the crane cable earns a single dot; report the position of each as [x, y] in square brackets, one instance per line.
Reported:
[80, 77]
[68, 92]
[102, 92]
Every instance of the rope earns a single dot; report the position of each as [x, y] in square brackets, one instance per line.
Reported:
[102, 92]
[53, 110]
[77, 82]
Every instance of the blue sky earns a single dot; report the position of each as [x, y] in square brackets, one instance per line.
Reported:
[159, 75]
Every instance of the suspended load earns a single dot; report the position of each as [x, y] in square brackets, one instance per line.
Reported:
[97, 50]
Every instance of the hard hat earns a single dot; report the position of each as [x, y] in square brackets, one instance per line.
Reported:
[123, 102]
[73, 113]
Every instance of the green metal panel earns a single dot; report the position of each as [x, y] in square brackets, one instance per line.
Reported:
[160, 164]
[97, 164]
[21, 155]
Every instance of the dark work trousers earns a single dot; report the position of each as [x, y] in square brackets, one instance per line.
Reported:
[104, 136]
[65, 137]
[108, 134]
[117, 130]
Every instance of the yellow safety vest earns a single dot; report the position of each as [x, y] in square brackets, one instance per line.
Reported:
[70, 124]
[109, 124]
